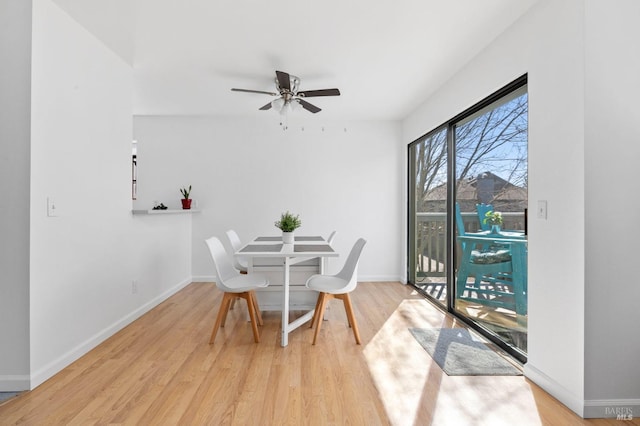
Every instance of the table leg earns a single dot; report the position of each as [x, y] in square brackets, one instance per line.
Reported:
[284, 341]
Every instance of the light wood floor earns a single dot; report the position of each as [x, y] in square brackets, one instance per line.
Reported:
[161, 370]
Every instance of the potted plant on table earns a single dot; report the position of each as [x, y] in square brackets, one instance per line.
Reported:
[494, 219]
[186, 201]
[287, 224]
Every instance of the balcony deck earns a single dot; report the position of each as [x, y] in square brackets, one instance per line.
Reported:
[430, 276]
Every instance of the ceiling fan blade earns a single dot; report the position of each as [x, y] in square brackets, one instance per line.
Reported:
[323, 92]
[265, 107]
[255, 91]
[309, 107]
[283, 80]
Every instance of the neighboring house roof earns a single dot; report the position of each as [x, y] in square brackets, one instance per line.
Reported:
[486, 188]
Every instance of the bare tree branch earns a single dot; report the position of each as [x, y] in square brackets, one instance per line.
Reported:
[495, 141]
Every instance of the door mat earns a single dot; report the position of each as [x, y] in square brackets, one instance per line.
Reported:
[460, 353]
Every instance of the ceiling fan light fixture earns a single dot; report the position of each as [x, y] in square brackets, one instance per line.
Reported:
[277, 104]
[287, 108]
[290, 99]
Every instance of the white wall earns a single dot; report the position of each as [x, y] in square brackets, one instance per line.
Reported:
[612, 141]
[83, 262]
[245, 172]
[547, 43]
[583, 147]
[15, 57]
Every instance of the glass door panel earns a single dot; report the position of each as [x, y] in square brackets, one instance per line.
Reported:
[491, 189]
[428, 215]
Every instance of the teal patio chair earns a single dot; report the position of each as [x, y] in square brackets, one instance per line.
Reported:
[499, 272]
[497, 266]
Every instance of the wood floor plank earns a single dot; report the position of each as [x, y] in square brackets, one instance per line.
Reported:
[161, 370]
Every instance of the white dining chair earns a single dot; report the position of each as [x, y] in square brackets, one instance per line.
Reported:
[235, 244]
[337, 287]
[324, 262]
[234, 285]
[241, 265]
[332, 237]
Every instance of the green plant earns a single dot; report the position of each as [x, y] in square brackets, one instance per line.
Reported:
[288, 222]
[493, 218]
[185, 192]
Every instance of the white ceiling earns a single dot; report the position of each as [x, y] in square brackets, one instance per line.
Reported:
[386, 57]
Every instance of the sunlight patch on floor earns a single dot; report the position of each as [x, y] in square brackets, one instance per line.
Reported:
[414, 390]
[398, 364]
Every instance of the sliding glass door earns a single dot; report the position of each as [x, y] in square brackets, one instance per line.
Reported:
[491, 195]
[428, 221]
[464, 177]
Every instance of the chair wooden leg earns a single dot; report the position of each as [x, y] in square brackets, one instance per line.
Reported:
[252, 314]
[319, 315]
[232, 299]
[254, 300]
[222, 313]
[342, 297]
[316, 310]
[352, 319]
[321, 310]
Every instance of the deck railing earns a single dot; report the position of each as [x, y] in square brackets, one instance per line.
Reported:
[431, 243]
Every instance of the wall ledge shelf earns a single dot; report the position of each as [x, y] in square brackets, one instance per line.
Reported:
[161, 212]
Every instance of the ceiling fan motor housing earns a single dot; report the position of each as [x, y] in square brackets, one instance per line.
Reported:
[294, 84]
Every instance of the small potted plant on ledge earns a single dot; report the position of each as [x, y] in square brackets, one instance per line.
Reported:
[287, 224]
[186, 201]
[494, 219]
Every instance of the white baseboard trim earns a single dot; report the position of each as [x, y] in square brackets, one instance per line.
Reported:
[378, 278]
[49, 370]
[361, 278]
[620, 409]
[554, 388]
[204, 278]
[15, 383]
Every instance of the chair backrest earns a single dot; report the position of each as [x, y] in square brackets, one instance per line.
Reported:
[348, 271]
[234, 240]
[459, 222]
[224, 268]
[332, 236]
[482, 210]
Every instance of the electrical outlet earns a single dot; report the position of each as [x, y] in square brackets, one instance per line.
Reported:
[134, 287]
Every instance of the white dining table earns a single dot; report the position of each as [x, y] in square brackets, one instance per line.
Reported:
[303, 249]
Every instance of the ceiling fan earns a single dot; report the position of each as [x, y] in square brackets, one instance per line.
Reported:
[289, 95]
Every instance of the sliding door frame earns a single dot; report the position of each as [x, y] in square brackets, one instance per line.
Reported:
[450, 205]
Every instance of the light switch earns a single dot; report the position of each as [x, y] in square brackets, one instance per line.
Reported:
[542, 209]
[51, 207]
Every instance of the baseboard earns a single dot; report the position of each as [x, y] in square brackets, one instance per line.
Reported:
[204, 278]
[555, 389]
[378, 278]
[361, 278]
[620, 409]
[15, 383]
[48, 371]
